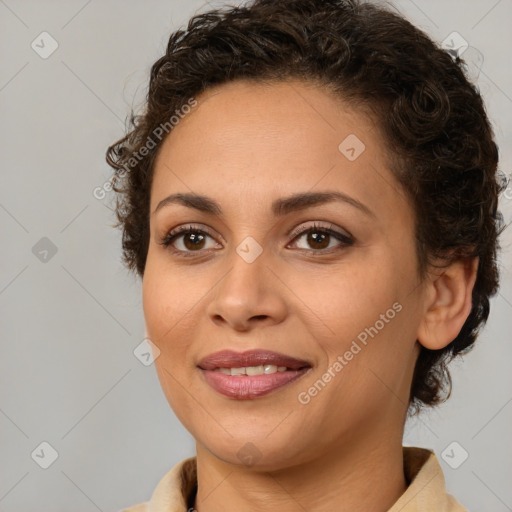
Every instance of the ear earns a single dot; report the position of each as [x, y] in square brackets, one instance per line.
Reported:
[447, 303]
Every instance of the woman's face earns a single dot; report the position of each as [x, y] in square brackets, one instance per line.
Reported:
[345, 303]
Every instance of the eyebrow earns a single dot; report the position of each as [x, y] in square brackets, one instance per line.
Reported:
[280, 207]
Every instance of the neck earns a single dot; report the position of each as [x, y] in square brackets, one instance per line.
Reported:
[365, 476]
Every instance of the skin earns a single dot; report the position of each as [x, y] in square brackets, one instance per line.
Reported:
[245, 145]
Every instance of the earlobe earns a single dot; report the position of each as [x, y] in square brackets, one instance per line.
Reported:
[448, 303]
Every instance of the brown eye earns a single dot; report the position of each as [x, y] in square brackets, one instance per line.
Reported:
[187, 239]
[193, 241]
[318, 238]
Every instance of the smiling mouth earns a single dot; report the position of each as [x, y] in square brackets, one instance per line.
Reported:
[251, 374]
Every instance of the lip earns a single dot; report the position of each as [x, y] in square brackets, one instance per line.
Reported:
[232, 359]
[247, 387]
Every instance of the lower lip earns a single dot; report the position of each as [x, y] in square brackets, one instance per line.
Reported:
[247, 387]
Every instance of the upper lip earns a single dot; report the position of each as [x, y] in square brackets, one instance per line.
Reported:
[233, 359]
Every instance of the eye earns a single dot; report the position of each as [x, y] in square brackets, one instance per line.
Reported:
[319, 238]
[187, 239]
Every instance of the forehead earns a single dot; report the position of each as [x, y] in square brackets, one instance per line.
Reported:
[252, 142]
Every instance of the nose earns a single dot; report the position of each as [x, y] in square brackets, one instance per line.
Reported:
[248, 296]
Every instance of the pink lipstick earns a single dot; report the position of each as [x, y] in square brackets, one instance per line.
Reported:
[250, 374]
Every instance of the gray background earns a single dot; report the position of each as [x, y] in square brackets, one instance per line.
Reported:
[70, 324]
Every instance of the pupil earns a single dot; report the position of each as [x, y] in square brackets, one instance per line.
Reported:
[195, 239]
[315, 239]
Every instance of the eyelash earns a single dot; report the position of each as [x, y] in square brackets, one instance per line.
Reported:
[345, 240]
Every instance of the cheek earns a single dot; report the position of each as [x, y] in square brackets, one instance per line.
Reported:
[365, 315]
[348, 300]
[166, 300]
[168, 312]
[375, 353]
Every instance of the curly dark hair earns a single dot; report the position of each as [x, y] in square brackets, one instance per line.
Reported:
[444, 152]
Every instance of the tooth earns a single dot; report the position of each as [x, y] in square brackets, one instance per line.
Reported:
[254, 370]
[267, 369]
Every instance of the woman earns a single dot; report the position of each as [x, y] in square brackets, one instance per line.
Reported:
[310, 199]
